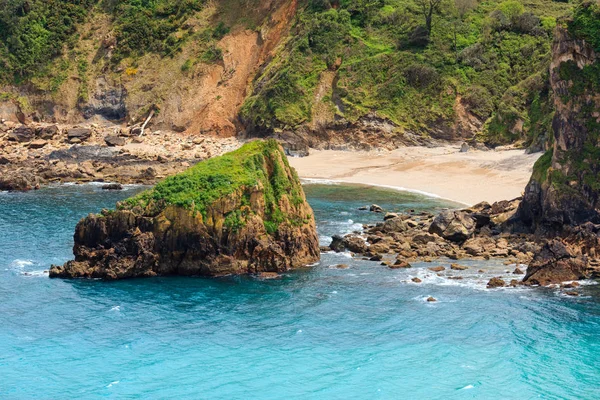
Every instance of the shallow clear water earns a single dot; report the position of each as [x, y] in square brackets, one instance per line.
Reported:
[359, 333]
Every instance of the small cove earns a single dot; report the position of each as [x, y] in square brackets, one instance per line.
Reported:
[362, 332]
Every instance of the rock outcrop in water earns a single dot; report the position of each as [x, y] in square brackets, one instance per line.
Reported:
[563, 197]
[241, 213]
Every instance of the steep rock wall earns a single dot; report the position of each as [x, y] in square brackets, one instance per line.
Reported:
[565, 186]
[562, 200]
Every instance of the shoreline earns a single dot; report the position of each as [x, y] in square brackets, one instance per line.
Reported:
[439, 172]
[317, 181]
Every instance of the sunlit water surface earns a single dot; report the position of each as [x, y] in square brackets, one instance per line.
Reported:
[323, 333]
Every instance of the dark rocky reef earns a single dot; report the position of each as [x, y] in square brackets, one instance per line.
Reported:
[241, 213]
[572, 258]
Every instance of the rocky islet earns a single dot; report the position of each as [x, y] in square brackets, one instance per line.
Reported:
[241, 213]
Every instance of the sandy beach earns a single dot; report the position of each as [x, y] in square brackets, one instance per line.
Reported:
[441, 171]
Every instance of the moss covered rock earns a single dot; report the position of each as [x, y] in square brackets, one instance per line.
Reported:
[565, 185]
[244, 212]
[562, 198]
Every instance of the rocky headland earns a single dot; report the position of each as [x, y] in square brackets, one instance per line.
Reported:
[554, 228]
[242, 213]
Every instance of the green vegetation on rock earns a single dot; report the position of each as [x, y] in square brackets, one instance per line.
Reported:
[33, 32]
[493, 54]
[254, 165]
[580, 164]
[586, 23]
[413, 62]
[151, 25]
[541, 167]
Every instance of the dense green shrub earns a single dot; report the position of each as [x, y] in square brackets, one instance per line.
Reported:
[212, 54]
[586, 23]
[32, 32]
[421, 76]
[479, 101]
[386, 62]
[143, 26]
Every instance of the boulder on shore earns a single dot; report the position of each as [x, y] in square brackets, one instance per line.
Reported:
[456, 226]
[22, 133]
[81, 134]
[556, 263]
[241, 213]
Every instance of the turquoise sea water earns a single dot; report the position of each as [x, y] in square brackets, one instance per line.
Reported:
[320, 333]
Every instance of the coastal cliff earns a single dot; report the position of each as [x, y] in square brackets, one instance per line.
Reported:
[562, 198]
[565, 186]
[241, 213]
[321, 73]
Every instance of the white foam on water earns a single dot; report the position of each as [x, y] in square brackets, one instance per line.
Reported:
[35, 274]
[324, 240]
[316, 181]
[470, 281]
[468, 387]
[97, 183]
[21, 263]
[116, 309]
[113, 383]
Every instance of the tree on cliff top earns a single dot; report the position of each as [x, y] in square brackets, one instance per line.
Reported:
[428, 9]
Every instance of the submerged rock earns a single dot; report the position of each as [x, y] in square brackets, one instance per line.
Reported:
[112, 186]
[375, 208]
[399, 263]
[242, 213]
[437, 269]
[496, 283]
